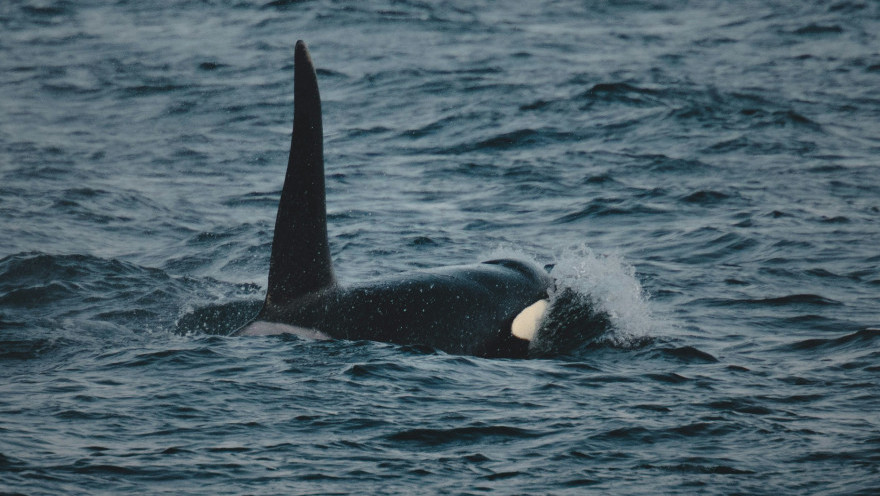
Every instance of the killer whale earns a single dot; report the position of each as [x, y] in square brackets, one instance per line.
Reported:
[490, 309]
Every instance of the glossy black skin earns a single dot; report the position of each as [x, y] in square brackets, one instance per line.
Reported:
[460, 310]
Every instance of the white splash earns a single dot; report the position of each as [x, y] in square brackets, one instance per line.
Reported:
[611, 284]
[606, 279]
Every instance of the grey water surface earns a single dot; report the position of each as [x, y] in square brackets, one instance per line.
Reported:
[706, 173]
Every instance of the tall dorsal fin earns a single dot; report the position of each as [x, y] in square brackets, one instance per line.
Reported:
[300, 262]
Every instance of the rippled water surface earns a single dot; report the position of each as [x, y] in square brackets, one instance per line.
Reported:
[705, 172]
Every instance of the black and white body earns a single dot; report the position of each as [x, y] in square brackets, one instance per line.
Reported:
[489, 309]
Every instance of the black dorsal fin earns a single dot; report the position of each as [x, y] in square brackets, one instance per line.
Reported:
[300, 262]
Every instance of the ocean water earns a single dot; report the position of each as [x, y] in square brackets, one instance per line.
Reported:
[706, 173]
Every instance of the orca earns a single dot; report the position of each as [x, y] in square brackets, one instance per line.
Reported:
[490, 309]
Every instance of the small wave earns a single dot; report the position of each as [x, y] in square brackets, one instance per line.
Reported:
[838, 219]
[669, 378]
[152, 89]
[173, 357]
[501, 475]
[27, 349]
[211, 66]
[604, 207]
[605, 178]
[430, 129]
[536, 105]
[38, 295]
[663, 163]
[106, 470]
[705, 197]
[621, 92]
[421, 241]
[220, 319]
[462, 435]
[508, 140]
[11, 463]
[628, 434]
[740, 405]
[283, 4]
[519, 137]
[690, 468]
[779, 118]
[864, 337]
[687, 354]
[48, 10]
[789, 300]
[82, 287]
[847, 7]
[384, 370]
[817, 29]
[367, 131]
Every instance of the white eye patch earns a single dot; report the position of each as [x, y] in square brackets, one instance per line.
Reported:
[526, 324]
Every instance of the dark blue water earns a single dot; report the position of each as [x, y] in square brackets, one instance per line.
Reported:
[705, 172]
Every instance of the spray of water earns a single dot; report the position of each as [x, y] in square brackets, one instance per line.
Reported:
[597, 301]
[612, 286]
